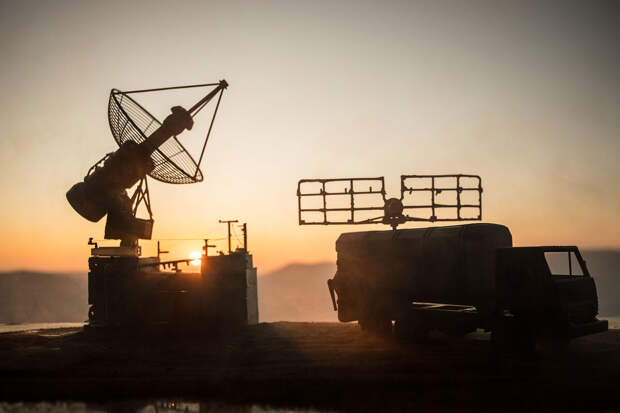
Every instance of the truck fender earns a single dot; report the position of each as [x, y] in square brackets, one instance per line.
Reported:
[330, 286]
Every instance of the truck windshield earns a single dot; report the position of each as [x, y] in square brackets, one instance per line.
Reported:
[563, 263]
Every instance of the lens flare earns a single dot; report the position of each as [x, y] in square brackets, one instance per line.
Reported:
[196, 258]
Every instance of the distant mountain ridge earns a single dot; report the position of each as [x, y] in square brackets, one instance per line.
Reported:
[295, 292]
[29, 297]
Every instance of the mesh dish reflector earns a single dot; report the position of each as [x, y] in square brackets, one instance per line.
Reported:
[131, 122]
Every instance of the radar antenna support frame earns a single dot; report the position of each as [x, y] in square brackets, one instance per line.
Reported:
[141, 195]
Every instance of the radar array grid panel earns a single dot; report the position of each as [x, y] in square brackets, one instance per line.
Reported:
[429, 198]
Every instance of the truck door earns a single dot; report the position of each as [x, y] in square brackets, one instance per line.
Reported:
[575, 289]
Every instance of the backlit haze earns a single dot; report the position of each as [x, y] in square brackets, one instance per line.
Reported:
[525, 94]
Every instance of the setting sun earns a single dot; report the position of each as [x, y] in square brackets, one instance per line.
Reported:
[196, 258]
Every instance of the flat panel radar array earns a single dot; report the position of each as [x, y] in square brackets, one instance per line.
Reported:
[356, 201]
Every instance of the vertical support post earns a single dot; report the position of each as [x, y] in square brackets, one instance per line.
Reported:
[324, 203]
[479, 198]
[160, 251]
[458, 197]
[206, 247]
[230, 221]
[352, 192]
[299, 202]
[433, 216]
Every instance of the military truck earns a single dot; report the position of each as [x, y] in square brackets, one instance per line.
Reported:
[460, 278]
[455, 278]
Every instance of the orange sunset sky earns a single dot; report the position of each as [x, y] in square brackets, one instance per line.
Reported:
[525, 94]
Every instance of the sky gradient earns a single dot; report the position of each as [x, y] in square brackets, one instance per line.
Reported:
[525, 94]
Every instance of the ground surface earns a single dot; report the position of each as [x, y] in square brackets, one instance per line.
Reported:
[323, 365]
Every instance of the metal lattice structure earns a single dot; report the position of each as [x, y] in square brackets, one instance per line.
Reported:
[458, 188]
[146, 147]
[129, 121]
[420, 200]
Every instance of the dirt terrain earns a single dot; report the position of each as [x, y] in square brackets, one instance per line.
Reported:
[321, 365]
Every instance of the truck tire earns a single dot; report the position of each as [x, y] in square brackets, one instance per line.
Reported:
[411, 328]
[514, 336]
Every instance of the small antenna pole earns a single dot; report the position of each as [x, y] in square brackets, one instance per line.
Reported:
[230, 221]
[207, 246]
[160, 251]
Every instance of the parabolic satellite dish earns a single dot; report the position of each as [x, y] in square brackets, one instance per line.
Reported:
[146, 147]
[129, 121]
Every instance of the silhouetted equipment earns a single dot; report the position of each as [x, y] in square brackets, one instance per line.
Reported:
[126, 290]
[130, 291]
[228, 224]
[453, 278]
[460, 278]
[206, 247]
[133, 292]
[146, 147]
[358, 200]
[160, 251]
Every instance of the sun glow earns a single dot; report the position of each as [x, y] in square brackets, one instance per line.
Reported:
[196, 258]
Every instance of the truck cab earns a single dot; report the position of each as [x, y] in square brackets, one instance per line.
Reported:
[548, 289]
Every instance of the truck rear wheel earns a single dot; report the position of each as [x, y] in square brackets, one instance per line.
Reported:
[412, 329]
